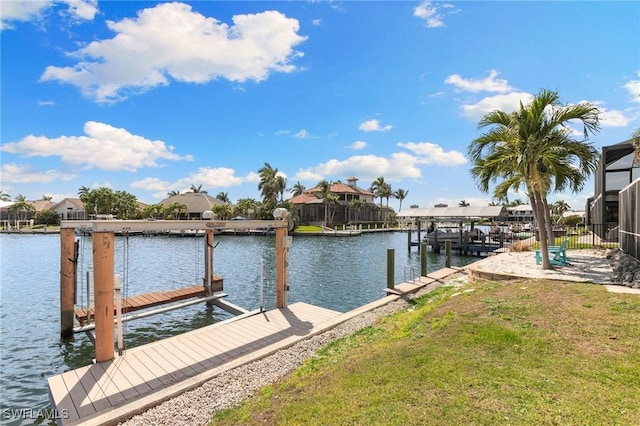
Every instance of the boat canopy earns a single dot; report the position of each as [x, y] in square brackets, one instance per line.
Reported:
[455, 212]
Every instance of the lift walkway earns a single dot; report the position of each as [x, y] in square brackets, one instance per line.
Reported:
[108, 392]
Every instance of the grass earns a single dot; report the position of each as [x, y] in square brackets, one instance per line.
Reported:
[308, 228]
[518, 352]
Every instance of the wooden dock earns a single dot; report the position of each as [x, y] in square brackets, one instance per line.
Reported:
[148, 300]
[109, 392]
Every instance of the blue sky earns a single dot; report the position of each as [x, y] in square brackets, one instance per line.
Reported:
[150, 97]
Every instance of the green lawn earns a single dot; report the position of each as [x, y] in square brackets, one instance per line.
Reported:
[519, 353]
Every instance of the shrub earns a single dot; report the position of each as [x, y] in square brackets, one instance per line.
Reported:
[520, 246]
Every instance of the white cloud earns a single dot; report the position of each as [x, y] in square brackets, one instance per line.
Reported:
[11, 172]
[208, 177]
[358, 145]
[633, 86]
[104, 147]
[302, 134]
[614, 118]
[507, 103]
[433, 13]
[316, 22]
[23, 11]
[373, 126]
[429, 153]
[398, 166]
[170, 41]
[488, 84]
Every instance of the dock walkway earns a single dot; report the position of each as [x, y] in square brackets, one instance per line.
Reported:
[110, 392]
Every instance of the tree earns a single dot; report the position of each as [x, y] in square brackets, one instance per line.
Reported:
[21, 208]
[533, 148]
[46, 217]
[332, 201]
[463, 203]
[46, 198]
[4, 196]
[269, 185]
[197, 189]
[400, 194]
[386, 192]
[223, 196]
[223, 211]
[376, 186]
[297, 189]
[172, 193]
[356, 204]
[559, 208]
[324, 187]
[246, 207]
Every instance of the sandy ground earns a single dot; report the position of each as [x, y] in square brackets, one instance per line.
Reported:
[585, 266]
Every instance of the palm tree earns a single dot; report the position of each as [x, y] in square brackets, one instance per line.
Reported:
[46, 198]
[400, 194]
[224, 197]
[332, 202]
[269, 185]
[172, 193]
[559, 208]
[297, 189]
[324, 187]
[21, 208]
[83, 193]
[376, 186]
[385, 192]
[532, 147]
[4, 196]
[197, 189]
[357, 205]
[280, 186]
[463, 203]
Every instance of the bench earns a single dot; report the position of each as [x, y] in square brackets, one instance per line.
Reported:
[559, 253]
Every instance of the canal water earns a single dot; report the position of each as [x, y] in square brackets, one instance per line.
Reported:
[339, 273]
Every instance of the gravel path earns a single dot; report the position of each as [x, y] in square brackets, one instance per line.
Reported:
[228, 389]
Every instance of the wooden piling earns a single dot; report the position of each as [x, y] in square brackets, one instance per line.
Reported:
[423, 260]
[67, 281]
[103, 272]
[281, 267]
[447, 248]
[391, 260]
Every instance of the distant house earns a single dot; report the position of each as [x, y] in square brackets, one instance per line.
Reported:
[70, 209]
[522, 213]
[310, 205]
[196, 202]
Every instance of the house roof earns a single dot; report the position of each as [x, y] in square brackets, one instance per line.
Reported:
[312, 195]
[75, 201]
[454, 212]
[196, 202]
[41, 205]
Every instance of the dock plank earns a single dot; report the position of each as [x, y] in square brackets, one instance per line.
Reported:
[158, 368]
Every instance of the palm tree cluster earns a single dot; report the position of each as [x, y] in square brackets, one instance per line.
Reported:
[382, 189]
[533, 148]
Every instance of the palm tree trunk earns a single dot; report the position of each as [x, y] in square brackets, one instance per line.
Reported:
[548, 221]
[538, 213]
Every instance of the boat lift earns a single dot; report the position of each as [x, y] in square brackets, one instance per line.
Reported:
[103, 242]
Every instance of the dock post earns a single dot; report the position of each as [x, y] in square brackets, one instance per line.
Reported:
[409, 232]
[103, 270]
[447, 248]
[281, 267]
[391, 253]
[208, 264]
[423, 260]
[67, 281]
